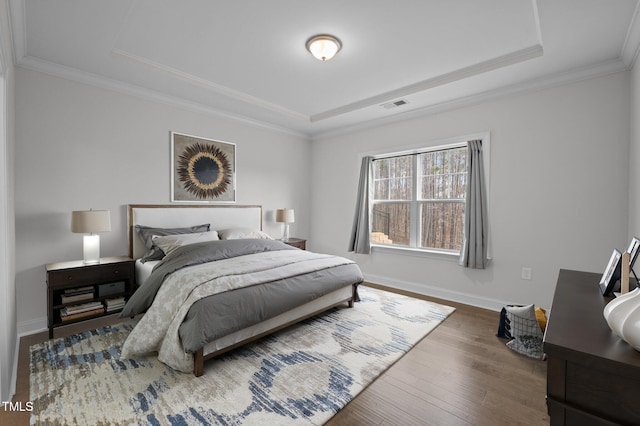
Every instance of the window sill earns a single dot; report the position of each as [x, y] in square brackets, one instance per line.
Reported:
[450, 256]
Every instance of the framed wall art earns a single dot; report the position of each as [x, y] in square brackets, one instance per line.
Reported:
[202, 170]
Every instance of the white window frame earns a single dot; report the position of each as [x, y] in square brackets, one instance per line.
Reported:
[437, 145]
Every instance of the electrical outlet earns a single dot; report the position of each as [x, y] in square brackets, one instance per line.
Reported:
[526, 273]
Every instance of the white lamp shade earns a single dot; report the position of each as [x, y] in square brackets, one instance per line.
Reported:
[285, 215]
[90, 221]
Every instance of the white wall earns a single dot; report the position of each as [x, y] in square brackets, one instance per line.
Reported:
[559, 187]
[80, 147]
[7, 234]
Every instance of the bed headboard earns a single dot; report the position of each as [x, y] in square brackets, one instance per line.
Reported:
[176, 215]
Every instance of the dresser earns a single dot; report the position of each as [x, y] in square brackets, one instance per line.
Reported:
[593, 377]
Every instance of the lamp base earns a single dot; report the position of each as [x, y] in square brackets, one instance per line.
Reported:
[91, 249]
[285, 231]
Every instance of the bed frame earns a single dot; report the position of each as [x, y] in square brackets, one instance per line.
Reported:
[221, 217]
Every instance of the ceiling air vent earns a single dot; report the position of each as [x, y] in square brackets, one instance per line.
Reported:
[394, 104]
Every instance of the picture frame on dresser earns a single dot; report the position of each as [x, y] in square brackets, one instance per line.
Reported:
[612, 273]
[633, 250]
[202, 170]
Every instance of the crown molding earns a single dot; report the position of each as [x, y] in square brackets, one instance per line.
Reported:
[102, 82]
[19, 43]
[462, 73]
[631, 46]
[576, 75]
[16, 9]
[211, 86]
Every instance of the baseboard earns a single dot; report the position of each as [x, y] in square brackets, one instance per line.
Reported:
[24, 328]
[14, 371]
[33, 326]
[438, 292]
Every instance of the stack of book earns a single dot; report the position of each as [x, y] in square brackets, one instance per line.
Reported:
[72, 312]
[77, 294]
[114, 304]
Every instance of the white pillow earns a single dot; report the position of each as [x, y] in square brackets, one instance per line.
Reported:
[169, 243]
[242, 233]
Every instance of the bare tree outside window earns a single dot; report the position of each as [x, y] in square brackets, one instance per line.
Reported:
[430, 186]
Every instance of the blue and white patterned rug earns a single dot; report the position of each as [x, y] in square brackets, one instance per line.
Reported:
[301, 375]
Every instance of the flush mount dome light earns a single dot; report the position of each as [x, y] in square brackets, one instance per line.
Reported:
[323, 46]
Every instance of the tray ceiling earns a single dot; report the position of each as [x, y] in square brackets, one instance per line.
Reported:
[247, 59]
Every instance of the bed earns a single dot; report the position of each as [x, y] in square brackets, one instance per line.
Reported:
[209, 295]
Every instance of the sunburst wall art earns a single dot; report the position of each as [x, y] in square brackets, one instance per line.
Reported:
[202, 169]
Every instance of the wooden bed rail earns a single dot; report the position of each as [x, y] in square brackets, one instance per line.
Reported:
[199, 357]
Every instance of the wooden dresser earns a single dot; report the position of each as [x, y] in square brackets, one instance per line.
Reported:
[593, 377]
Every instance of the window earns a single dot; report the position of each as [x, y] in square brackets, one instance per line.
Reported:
[419, 199]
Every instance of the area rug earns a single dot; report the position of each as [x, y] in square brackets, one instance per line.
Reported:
[301, 375]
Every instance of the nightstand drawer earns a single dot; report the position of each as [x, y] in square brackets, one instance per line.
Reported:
[73, 277]
[114, 272]
[90, 274]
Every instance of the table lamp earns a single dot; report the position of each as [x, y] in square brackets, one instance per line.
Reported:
[90, 223]
[285, 216]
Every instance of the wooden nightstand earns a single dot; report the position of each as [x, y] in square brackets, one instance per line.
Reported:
[70, 284]
[296, 242]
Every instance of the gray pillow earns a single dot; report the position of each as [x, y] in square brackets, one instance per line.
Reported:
[154, 252]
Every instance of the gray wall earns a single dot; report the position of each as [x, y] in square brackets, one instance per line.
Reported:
[7, 233]
[559, 188]
[559, 181]
[81, 147]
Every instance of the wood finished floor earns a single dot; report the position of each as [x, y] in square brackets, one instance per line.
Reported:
[460, 374]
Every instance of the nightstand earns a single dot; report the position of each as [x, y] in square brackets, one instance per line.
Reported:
[296, 242]
[99, 288]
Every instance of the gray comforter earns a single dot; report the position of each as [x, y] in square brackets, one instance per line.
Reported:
[224, 313]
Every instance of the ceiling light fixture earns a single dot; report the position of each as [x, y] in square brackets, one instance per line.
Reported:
[323, 46]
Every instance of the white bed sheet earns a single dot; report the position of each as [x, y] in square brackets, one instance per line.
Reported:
[143, 270]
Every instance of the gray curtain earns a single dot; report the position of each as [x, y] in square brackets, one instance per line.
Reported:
[474, 246]
[361, 231]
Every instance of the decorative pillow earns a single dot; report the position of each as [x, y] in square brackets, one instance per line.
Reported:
[527, 345]
[242, 233]
[525, 330]
[146, 234]
[541, 316]
[170, 243]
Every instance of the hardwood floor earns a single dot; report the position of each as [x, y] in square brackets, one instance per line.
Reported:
[460, 374]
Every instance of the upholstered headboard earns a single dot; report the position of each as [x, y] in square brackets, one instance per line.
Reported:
[176, 215]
